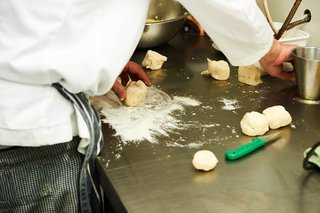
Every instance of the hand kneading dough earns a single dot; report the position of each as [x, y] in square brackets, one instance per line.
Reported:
[136, 93]
[277, 116]
[204, 160]
[249, 75]
[218, 70]
[254, 123]
[153, 60]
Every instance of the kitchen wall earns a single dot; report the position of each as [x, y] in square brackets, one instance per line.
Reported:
[280, 9]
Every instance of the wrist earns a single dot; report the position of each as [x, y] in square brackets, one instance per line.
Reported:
[273, 53]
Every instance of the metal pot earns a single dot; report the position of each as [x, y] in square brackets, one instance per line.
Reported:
[307, 69]
[168, 16]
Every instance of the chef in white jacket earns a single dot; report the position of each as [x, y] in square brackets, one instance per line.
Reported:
[83, 45]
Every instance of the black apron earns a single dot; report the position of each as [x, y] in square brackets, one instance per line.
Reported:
[54, 178]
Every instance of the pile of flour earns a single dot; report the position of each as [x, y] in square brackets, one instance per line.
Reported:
[147, 122]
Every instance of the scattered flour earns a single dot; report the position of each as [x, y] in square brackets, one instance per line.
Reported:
[186, 101]
[207, 107]
[210, 125]
[190, 145]
[146, 122]
[160, 117]
[229, 104]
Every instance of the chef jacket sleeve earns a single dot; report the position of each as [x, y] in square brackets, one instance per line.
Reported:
[237, 27]
[83, 45]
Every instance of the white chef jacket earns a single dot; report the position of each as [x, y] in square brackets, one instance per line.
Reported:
[84, 45]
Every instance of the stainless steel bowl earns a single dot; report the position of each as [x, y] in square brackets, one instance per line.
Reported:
[169, 15]
[307, 68]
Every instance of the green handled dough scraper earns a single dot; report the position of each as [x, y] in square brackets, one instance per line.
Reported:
[253, 145]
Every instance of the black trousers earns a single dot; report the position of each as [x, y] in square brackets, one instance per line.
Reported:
[40, 179]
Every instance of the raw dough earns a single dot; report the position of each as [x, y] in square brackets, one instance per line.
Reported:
[249, 75]
[153, 60]
[277, 116]
[204, 160]
[136, 93]
[219, 70]
[254, 123]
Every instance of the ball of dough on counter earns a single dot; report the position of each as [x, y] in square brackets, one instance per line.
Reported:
[277, 116]
[204, 160]
[153, 60]
[218, 70]
[254, 123]
[249, 75]
[136, 93]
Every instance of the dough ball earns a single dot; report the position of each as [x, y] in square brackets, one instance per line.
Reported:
[249, 75]
[254, 123]
[204, 160]
[218, 70]
[277, 116]
[153, 60]
[136, 93]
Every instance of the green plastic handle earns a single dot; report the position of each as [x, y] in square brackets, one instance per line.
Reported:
[245, 149]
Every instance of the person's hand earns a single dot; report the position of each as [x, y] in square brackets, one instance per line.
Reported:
[273, 60]
[131, 71]
[191, 25]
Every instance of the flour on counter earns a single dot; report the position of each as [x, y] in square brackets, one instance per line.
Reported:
[190, 145]
[155, 118]
[229, 104]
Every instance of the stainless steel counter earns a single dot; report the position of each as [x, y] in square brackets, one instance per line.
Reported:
[146, 177]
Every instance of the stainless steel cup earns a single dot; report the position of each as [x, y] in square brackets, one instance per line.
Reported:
[306, 65]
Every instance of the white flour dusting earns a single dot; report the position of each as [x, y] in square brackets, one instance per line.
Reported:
[190, 145]
[146, 122]
[229, 104]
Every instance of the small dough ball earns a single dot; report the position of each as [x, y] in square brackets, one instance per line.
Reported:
[136, 93]
[153, 60]
[277, 116]
[218, 70]
[204, 160]
[249, 75]
[254, 123]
